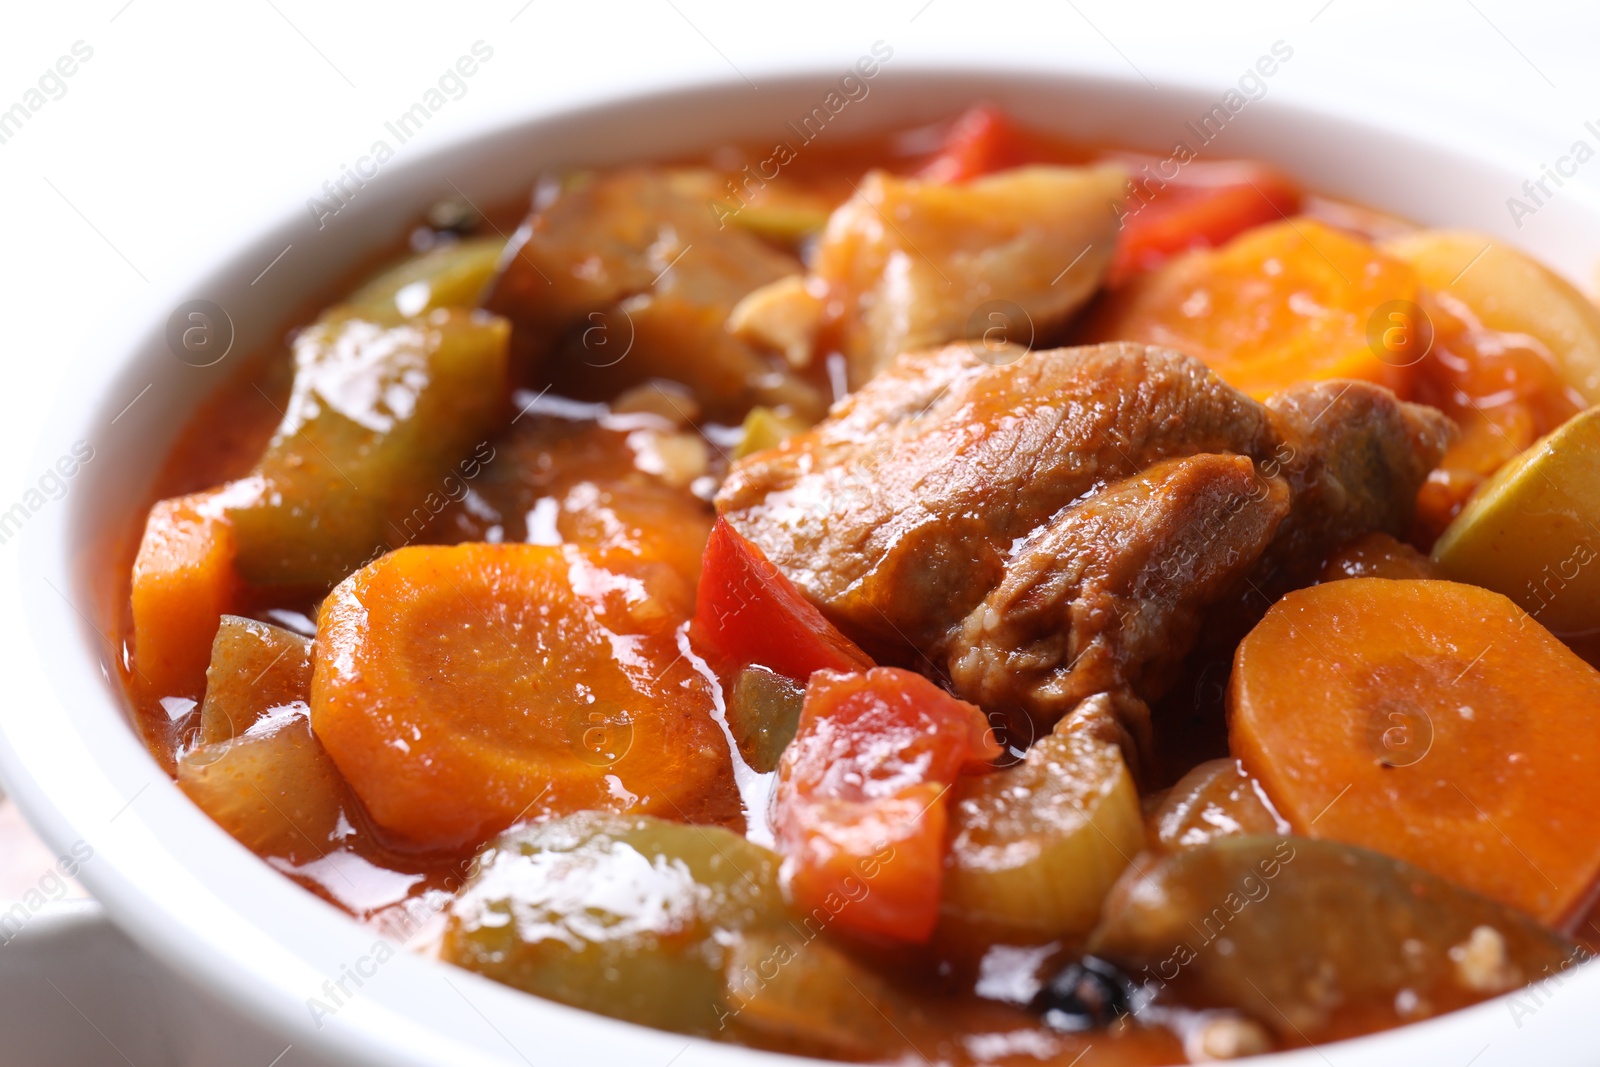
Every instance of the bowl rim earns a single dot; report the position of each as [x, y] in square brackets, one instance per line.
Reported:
[78, 783]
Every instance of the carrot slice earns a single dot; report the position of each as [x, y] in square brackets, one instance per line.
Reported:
[463, 688]
[860, 811]
[1281, 304]
[1202, 206]
[183, 583]
[748, 612]
[1433, 721]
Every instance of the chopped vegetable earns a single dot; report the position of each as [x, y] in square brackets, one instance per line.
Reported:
[599, 660]
[255, 669]
[784, 315]
[1432, 721]
[796, 994]
[748, 612]
[1034, 848]
[630, 916]
[861, 807]
[378, 419]
[1378, 555]
[982, 141]
[763, 713]
[463, 688]
[1533, 530]
[785, 211]
[1203, 205]
[670, 401]
[183, 583]
[1004, 258]
[1279, 305]
[273, 788]
[670, 333]
[785, 216]
[1316, 940]
[453, 275]
[591, 244]
[1216, 799]
[1502, 390]
[1512, 294]
[681, 927]
[630, 276]
[764, 429]
[578, 480]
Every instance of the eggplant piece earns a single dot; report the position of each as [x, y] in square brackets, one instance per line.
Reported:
[1216, 799]
[629, 276]
[255, 668]
[377, 419]
[592, 243]
[1316, 940]
[786, 212]
[764, 713]
[793, 994]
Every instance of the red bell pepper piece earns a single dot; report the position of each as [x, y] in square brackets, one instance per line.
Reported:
[748, 612]
[861, 809]
[981, 141]
[1202, 206]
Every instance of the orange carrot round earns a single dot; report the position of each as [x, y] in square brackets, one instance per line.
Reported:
[1280, 304]
[461, 689]
[1433, 721]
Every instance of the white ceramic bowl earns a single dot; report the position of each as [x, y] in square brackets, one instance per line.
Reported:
[192, 896]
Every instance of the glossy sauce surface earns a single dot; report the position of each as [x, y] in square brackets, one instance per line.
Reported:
[627, 479]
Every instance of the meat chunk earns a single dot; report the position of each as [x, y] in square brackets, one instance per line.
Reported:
[1057, 523]
[898, 513]
[1356, 458]
[907, 263]
[1110, 593]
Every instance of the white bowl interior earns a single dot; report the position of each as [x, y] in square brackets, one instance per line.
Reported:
[185, 890]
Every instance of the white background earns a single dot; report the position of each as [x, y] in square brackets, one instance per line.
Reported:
[194, 122]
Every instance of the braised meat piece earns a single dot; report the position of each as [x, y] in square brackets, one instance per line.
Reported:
[1356, 458]
[898, 514]
[1053, 524]
[1112, 591]
[909, 263]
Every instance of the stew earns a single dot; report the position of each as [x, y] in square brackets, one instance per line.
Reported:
[966, 598]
